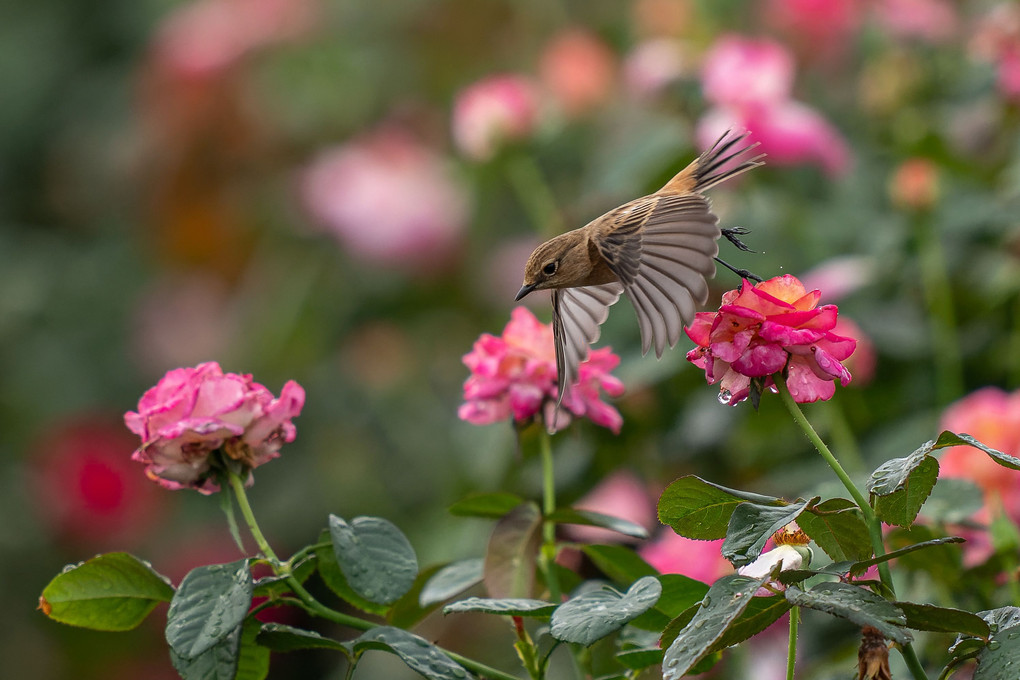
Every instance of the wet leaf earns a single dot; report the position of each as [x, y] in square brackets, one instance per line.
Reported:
[208, 608]
[375, 557]
[595, 614]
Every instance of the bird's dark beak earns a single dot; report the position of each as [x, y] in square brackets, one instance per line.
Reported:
[525, 289]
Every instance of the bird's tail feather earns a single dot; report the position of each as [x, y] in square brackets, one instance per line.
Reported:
[721, 161]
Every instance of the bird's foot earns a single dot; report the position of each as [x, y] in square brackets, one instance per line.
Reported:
[732, 234]
[742, 273]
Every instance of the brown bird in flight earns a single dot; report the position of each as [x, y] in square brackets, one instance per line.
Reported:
[658, 249]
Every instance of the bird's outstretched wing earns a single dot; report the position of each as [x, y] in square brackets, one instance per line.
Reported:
[662, 249]
[577, 315]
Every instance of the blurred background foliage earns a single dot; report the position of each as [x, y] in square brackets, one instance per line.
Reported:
[282, 186]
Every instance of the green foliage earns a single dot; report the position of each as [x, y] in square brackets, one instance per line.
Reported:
[207, 609]
[510, 557]
[701, 510]
[595, 614]
[419, 655]
[375, 557]
[504, 607]
[112, 592]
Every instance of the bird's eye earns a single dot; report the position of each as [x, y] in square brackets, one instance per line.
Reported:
[550, 268]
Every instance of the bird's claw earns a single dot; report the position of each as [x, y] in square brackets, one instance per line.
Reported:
[731, 235]
[742, 273]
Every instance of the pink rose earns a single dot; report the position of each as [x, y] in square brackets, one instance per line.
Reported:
[494, 110]
[193, 412]
[671, 553]
[818, 28]
[578, 70]
[760, 330]
[931, 20]
[514, 375]
[739, 71]
[621, 494]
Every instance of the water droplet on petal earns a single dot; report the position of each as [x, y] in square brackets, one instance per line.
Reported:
[725, 396]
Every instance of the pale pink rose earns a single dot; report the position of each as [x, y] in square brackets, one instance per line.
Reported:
[653, 65]
[192, 412]
[760, 330]
[514, 376]
[206, 37]
[622, 495]
[388, 199]
[671, 553]
[739, 71]
[817, 27]
[790, 133]
[991, 416]
[492, 111]
[931, 20]
[578, 70]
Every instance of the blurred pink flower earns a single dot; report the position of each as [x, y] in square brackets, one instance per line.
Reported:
[388, 199]
[739, 71]
[578, 70]
[931, 20]
[207, 37]
[761, 329]
[996, 39]
[671, 553]
[991, 416]
[750, 82]
[816, 27]
[193, 412]
[87, 489]
[863, 361]
[494, 110]
[514, 375]
[840, 276]
[653, 65]
[621, 494]
[790, 133]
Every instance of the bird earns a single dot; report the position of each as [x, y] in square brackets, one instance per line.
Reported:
[658, 250]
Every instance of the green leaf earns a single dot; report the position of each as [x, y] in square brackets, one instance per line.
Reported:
[679, 592]
[901, 507]
[863, 565]
[837, 527]
[594, 615]
[856, 604]
[112, 592]
[418, 653]
[451, 580]
[510, 556]
[943, 619]
[698, 509]
[1000, 658]
[726, 600]
[619, 563]
[751, 525]
[281, 638]
[333, 577]
[948, 438]
[506, 607]
[218, 662]
[892, 475]
[252, 659]
[643, 657]
[375, 557]
[953, 501]
[761, 613]
[597, 519]
[275, 586]
[493, 505]
[209, 607]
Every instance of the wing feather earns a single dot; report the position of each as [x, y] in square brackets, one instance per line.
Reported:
[663, 261]
[578, 314]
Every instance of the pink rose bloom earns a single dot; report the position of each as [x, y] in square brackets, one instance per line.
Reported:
[931, 20]
[671, 553]
[514, 375]
[840, 276]
[207, 37]
[193, 412]
[578, 69]
[991, 416]
[388, 199]
[996, 39]
[761, 329]
[492, 111]
[740, 71]
[622, 495]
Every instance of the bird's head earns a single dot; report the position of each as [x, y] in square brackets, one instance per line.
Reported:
[560, 262]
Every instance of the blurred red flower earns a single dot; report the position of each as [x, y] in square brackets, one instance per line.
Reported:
[514, 375]
[578, 70]
[388, 199]
[193, 412]
[492, 111]
[88, 490]
[760, 330]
